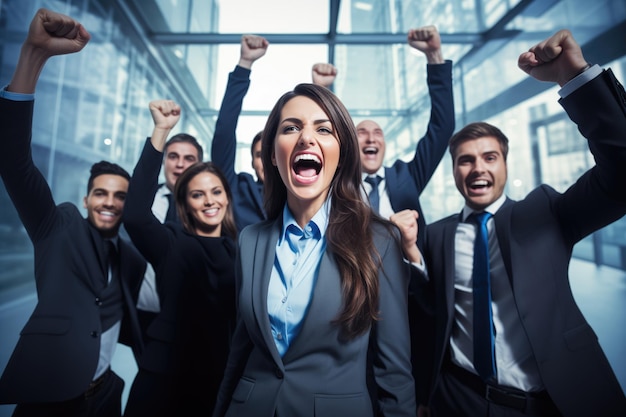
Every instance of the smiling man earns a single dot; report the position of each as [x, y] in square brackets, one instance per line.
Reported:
[61, 364]
[400, 185]
[511, 341]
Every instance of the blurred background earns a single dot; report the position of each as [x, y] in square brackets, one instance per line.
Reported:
[94, 105]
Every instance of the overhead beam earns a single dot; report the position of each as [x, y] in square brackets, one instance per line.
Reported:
[169, 38]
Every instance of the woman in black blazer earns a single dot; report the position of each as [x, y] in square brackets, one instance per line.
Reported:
[186, 344]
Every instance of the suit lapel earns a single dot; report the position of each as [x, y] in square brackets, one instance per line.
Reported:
[503, 232]
[449, 236]
[264, 255]
[97, 243]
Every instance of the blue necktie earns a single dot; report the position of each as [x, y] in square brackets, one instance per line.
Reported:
[373, 195]
[484, 358]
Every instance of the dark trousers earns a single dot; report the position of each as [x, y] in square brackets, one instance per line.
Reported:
[463, 394]
[103, 399]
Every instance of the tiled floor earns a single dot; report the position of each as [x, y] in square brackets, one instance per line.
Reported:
[600, 293]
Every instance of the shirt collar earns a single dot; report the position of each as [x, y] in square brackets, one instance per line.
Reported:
[380, 173]
[318, 223]
[492, 208]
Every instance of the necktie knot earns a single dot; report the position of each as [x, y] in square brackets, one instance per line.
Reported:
[479, 219]
[373, 180]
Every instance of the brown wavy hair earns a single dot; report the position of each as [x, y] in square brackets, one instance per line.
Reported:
[180, 192]
[349, 235]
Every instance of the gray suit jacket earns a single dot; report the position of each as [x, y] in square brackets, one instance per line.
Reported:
[320, 374]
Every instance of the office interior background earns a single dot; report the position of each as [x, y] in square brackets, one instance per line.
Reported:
[94, 105]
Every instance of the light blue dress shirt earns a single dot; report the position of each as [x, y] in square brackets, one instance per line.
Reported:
[298, 255]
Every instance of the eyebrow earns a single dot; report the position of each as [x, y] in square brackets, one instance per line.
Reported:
[296, 120]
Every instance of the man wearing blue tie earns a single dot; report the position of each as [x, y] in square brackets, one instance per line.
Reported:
[510, 340]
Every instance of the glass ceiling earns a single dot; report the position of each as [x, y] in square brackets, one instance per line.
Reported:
[379, 74]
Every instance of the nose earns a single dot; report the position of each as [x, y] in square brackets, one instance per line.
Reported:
[208, 200]
[109, 201]
[306, 137]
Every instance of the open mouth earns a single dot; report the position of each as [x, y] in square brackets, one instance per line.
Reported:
[307, 165]
[106, 215]
[479, 184]
[370, 150]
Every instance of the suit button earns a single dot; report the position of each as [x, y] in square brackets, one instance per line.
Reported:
[279, 374]
[98, 301]
[94, 334]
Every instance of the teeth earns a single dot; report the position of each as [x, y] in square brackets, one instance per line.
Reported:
[307, 157]
[210, 211]
[370, 150]
[480, 183]
[107, 213]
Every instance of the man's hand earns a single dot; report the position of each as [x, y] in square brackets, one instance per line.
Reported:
[558, 59]
[406, 220]
[253, 47]
[323, 74]
[427, 40]
[49, 34]
[53, 33]
[165, 114]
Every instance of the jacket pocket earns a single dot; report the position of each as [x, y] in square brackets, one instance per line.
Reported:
[580, 337]
[342, 405]
[243, 390]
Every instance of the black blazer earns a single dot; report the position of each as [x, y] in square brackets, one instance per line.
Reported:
[195, 279]
[536, 236]
[57, 353]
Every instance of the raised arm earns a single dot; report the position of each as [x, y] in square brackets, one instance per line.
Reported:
[149, 235]
[49, 34]
[224, 144]
[433, 145]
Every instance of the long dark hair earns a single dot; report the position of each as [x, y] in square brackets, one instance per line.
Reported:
[349, 236]
[180, 192]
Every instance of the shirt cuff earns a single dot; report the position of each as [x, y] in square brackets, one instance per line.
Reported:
[578, 81]
[9, 95]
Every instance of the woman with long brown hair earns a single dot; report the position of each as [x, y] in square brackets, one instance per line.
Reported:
[186, 342]
[320, 282]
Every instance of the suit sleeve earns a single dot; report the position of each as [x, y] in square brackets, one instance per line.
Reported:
[24, 183]
[433, 145]
[599, 197]
[224, 144]
[147, 233]
[391, 340]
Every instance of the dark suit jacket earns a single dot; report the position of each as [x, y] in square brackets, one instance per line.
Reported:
[536, 236]
[319, 374]
[56, 356]
[407, 180]
[247, 192]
